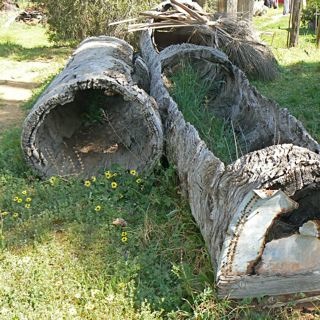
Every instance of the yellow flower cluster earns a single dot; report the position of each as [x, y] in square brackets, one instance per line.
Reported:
[108, 174]
[97, 208]
[20, 200]
[124, 236]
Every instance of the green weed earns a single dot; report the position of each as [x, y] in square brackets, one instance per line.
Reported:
[192, 95]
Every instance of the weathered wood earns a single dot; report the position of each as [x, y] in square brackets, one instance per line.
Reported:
[261, 121]
[216, 192]
[228, 6]
[245, 9]
[94, 114]
[295, 16]
[318, 35]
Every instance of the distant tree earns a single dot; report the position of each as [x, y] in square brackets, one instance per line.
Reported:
[295, 17]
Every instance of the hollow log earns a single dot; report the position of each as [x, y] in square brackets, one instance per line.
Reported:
[94, 114]
[251, 211]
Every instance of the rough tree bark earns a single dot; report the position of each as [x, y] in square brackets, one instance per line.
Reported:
[245, 9]
[94, 114]
[228, 6]
[222, 199]
[295, 16]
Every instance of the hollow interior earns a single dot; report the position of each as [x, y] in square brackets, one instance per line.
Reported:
[309, 209]
[92, 133]
[212, 77]
[164, 38]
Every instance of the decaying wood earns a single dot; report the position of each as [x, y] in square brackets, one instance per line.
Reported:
[262, 122]
[94, 114]
[184, 21]
[218, 193]
[295, 16]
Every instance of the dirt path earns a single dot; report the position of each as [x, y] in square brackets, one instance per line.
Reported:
[16, 84]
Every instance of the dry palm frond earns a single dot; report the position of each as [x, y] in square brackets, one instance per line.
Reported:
[234, 37]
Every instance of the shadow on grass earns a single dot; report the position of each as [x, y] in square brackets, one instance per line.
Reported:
[18, 52]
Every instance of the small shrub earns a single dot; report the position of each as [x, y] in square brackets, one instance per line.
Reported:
[72, 21]
[308, 17]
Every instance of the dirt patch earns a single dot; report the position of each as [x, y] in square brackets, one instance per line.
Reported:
[16, 85]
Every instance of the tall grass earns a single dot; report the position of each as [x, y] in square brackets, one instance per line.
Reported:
[192, 94]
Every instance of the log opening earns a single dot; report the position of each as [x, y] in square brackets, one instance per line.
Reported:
[289, 223]
[91, 133]
[94, 115]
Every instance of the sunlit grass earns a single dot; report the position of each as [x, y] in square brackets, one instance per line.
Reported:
[61, 258]
[297, 87]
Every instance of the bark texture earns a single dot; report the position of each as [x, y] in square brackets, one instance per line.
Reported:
[295, 16]
[216, 192]
[261, 121]
[245, 9]
[94, 114]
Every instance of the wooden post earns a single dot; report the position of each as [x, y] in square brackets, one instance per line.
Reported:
[295, 16]
[318, 35]
[229, 7]
[245, 9]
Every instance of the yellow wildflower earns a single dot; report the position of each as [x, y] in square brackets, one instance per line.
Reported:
[27, 205]
[124, 234]
[52, 180]
[16, 215]
[24, 192]
[15, 199]
[4, 213]
[115, 174]
[114, 185]
[133, 172]
[124, 239]
[97, 208]
[87, 183]
[138, 181]
[93, 179]
[108, 174]
[19, 200]
[28, 200]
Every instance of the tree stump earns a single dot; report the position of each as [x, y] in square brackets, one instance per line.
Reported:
[251, 212]
[94, 114]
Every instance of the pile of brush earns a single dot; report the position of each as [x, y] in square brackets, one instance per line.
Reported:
[175, 22]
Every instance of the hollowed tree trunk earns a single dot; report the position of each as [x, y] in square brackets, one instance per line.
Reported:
[247, 211]
[94, 114]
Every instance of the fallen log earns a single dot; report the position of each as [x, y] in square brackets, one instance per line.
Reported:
[183, 21]
[94, 114]
[246, 209]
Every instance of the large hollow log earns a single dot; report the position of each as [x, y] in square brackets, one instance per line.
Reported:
[94, 114]
[252, 210]
[261, 121]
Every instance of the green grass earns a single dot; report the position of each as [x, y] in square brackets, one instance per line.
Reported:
[62, 258]
[192, 96]
[297, 87]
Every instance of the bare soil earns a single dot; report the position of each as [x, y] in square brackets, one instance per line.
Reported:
[16, 84]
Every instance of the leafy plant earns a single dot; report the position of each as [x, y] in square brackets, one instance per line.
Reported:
[73, 21]
[309, 14]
